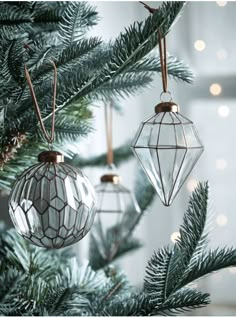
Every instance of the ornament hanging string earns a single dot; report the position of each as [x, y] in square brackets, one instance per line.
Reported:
[49, 138]
[163, 60]
[108, 124]
[162, 51]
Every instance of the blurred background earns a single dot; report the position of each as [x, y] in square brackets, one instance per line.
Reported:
[204, 38]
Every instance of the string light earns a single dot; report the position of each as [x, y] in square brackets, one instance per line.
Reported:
[221, 220]
[221, 3]
[221, 164]
[191, 184]
[223, 111]
[200, 45]
[215, 89]
[174, 236]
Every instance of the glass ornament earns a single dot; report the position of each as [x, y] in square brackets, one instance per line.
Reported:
[52, 204]
[167, 146]
[117, 212]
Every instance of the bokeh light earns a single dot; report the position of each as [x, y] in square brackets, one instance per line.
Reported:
[200, 45]
[223, 111]
[221, 220]
[174, 236]
[215, 89]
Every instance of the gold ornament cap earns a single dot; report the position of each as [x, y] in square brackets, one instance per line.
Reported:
[167, 107]
[110, 178]
[51, 157]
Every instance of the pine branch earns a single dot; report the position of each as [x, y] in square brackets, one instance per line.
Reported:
[8, 280]
[157, 272]
[85, 277]
[67, 300]
[117, 289]
[74, 82]
[34, 18]
[176, 69]
[131, 304]
[168, 267]
[18, 164]
[77, 17]
[13, 58]
[123, 86]
[182, 301]
[72, 124]
[129, 48]
[70, 60]
[210, 261]
[192, 237]
[74, 53]
[66, 58]
[44, 288]
[47, 16]
[28, 153]
[192, 229]
[13, 20]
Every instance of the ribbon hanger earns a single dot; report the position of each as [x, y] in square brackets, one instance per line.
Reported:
[49, 138]
[108, 125]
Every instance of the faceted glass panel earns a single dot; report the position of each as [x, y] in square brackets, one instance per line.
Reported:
[49, 201]
[167, 146]
[117, 211]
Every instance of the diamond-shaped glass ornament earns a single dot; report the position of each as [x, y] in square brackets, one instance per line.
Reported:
[52, 204]
[117, 211]
[167, 146]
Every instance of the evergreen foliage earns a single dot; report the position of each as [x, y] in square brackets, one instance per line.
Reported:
[37, 281]
[89, 71]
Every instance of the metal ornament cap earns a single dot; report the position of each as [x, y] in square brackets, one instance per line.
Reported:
[167, 107]
[111, 178]
[51, 157]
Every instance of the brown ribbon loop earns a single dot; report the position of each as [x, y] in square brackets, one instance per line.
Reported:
[49, 138]
[108, 124]
[163, 60]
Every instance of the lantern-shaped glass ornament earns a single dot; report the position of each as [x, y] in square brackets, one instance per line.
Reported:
[117, 209]
[52, 204]
[167, 146]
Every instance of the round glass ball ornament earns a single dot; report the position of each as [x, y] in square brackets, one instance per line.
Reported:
[52, 204]
[167, 146]
[117, 208]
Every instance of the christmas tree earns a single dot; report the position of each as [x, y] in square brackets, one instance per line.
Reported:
[36, 281]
